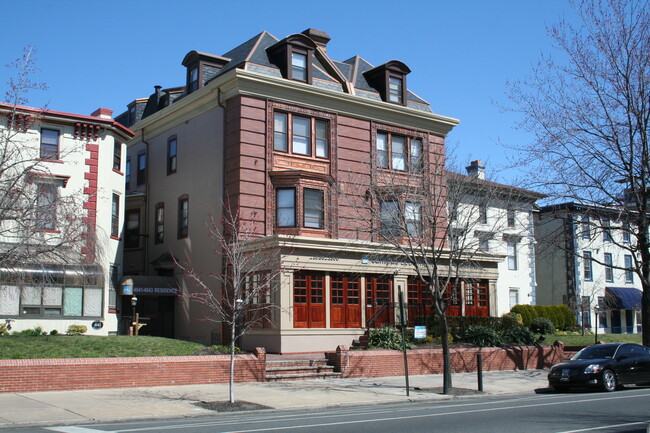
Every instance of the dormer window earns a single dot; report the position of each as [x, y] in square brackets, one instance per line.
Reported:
[201, 68]
[389, 80]
[294, 57]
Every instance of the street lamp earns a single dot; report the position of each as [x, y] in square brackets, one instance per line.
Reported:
[134, 317]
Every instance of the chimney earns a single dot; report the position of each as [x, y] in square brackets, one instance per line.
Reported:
[103, 113]
[318, 36]
[475, 169]
[157, 88]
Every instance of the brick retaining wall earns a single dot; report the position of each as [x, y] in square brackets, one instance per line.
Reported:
[378, 363]
[25, 375]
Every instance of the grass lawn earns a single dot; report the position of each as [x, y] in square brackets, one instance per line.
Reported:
[86, 346]
[579, 340]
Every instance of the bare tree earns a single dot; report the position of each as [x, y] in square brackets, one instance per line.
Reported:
[239, 291]
[590, 114]
[37, 223]
[433, 221]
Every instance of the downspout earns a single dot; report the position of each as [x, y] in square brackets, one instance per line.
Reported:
[145, 256]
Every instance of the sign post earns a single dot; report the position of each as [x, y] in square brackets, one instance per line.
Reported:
[401, 321]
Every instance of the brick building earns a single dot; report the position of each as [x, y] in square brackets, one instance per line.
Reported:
[278, 129]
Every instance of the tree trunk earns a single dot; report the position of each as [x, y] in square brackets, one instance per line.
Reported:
[446, 359]
[644, 248]
[232, 364]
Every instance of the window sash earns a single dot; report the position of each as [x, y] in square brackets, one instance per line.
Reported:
[629, 273]
[171, 155]
[609, 270]
[286, 207]
[298, 66]
[511, 217]
[389, 214]
[587, 266]
[183, 217]
[46, 206]
[482, 213]
[142, 166]
[160, 224]
[512, 256]
[412, 218]
[322, 147]
[132, 229]
[280, 131]
[382, 150]
[416, 160]
[127, 173]
[395, 89]
[117, 156]
[314, 214]
[49, 143]
[301, 136]
[398, 148]
[115, 216]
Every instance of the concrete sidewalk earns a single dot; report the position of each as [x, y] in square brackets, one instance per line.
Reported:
[103, 405]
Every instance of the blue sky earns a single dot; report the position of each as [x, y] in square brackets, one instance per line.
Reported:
[461, 53]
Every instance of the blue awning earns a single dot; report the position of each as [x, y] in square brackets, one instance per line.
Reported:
[623, 298]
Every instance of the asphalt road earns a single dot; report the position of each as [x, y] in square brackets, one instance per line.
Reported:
[623, 411]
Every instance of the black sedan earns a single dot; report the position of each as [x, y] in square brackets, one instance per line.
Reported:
[606, 366]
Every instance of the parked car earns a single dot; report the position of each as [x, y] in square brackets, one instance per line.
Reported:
[607, 366]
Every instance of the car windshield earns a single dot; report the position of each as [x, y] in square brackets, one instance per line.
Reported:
[595, 352]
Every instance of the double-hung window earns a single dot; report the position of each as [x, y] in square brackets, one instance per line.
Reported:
[607, 235]
[627, 233]
[510, 215]
[586, 227]
[49, 144]
[193, 80]
[587, 266]
[399, 153]
[115, 216]
[117, 156]
[299, 66]
[412, 218]
[314, 215]
[609, 270]
[629, 272]
[299, 135]
[160, 223]
[127, 174]
[183, 216]
[390, 219]
[171, 155]
[512, 256]
[142, 167]
[46, 205]
[393, 219]
[482, 213]
[286, 207]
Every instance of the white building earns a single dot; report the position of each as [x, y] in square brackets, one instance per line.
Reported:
[499, 220]
[585, 261]
[62, 198]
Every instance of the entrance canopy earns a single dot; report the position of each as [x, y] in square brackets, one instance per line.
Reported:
[149, 285]
[623, 298]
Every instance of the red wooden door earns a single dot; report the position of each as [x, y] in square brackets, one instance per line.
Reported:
[476, 299]
[308, 300]
[420, 301]
[454, 306]
[379, 299]
[345, 305]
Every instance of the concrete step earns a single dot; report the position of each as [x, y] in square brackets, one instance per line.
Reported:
[296, 363]
[302, 376]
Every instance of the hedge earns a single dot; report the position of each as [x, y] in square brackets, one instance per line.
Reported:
[560, 315]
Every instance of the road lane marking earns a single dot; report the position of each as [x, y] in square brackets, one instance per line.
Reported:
[73, 429]
[396, 418]
[609, 426]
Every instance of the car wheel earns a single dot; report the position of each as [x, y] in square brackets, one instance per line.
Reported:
[609, 381]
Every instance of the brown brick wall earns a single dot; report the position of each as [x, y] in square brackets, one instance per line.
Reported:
[90, 373]
[378, 363]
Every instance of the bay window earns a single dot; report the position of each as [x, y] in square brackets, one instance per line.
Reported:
[306, 136]
[399, 153]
